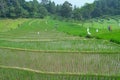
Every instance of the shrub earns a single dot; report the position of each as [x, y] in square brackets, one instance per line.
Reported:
[89, 36]
[115, 41]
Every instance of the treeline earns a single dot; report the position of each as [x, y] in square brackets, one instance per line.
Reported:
[35, 9]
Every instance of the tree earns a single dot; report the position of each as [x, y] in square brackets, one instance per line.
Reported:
[13, 8]
[42, 11]
[87, 10]
[66, 10]
[34, 9]
[97, 12]
[51, 7]
[58, 9]
[34, 12]
[3, 8]
[44, 2]
[77, 14]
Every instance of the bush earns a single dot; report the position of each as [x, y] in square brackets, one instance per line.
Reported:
[115, 41]
[98, 37]
[88, 36]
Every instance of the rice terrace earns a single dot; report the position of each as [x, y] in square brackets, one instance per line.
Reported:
[54, 47]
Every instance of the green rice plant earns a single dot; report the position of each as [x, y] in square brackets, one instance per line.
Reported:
[74, 63]
[18, 74]
[37, 25]
[65, 45]
[9, 24]
[46, 49]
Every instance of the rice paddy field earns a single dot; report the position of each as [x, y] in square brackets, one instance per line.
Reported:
[46, 49]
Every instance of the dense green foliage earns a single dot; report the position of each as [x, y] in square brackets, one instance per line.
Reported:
[35, 9]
